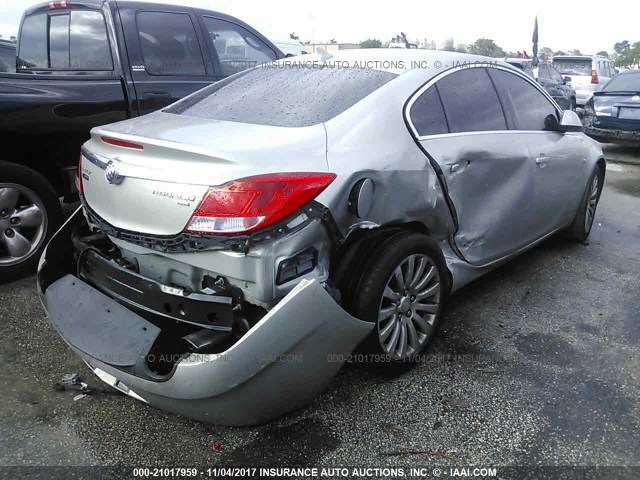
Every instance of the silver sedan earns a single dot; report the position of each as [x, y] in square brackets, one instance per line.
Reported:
[235, 249]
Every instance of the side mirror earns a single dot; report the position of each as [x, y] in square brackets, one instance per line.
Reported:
[567, 79]
[571, 122]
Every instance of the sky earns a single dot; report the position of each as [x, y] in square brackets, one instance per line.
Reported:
[562, 25]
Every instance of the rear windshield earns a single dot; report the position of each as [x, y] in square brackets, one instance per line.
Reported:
[573, 67]
[283, 96]
[627, 82]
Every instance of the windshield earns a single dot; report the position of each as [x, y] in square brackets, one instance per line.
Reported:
[573, 66]
[629, 82]
[283, 95]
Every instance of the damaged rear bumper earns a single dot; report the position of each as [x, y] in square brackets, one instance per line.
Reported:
[282, 362]
[613, 135]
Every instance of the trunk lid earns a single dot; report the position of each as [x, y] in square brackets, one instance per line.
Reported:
[156, 188]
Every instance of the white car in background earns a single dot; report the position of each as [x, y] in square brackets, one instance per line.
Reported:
[587, 73]
[291, 48]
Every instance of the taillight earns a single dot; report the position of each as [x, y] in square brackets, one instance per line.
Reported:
[594, 77]
[79, 185]
[60, 4]
[250, 203]
[121, 143]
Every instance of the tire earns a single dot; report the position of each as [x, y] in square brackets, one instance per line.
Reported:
[411, 320]
[580, 228]
[30, 213]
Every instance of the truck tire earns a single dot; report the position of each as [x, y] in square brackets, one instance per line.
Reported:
[30, 213]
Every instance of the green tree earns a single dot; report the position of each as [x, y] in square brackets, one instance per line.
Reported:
[447, 46]
[546, 51]
[462, 48]
[603, 53]
[486, 47]
[371, 43]
[575, 51]
[559, 52]
[622, 47]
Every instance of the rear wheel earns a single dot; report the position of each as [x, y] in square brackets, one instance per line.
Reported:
[402, 289]
[29, 214]
[583, 221]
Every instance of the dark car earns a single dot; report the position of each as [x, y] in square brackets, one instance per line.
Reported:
[524, 64]
[613, 113]
[91, 62]
[556, 85]
[7, 56]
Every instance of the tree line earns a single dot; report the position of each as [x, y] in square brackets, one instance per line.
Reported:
[624, 53]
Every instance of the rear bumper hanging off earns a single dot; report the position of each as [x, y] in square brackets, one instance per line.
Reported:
[281, 363]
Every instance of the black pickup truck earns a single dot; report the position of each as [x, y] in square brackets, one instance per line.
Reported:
[83, 63]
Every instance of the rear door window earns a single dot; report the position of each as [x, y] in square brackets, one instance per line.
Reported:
[236, 47]
[70, 41]
[470, 101]
[522, 100]
[427, 114]
[169, 44]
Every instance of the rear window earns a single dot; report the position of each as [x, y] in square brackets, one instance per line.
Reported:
[626, 82]
[283, 96]
[573, 67]
[75, 40]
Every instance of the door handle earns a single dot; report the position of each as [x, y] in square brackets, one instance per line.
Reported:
[542, 159]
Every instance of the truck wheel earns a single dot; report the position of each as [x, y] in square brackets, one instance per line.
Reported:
[403, 290]
[30, 213]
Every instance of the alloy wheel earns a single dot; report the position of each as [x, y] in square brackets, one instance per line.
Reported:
[592, 203]
[23, 223]
[409, 307]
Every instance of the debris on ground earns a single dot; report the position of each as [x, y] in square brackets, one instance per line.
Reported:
[72, 381]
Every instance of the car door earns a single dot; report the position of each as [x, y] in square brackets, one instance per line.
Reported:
[165, 53]
[460, 122]
[559, 159]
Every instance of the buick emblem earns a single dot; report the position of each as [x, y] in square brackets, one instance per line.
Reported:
[636, 98]
[112, 174]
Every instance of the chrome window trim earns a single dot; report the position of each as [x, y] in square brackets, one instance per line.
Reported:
[432, 81]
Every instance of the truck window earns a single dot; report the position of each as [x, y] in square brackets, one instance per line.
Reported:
[75, 40]
[236, 47]
[169, 44]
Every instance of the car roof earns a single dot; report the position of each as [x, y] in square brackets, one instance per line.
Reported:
[394, 60]
[135, 4]
[7, 43]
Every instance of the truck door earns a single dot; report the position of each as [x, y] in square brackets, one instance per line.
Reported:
[165, 48]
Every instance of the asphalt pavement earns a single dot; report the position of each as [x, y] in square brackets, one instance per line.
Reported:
[537, 363]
